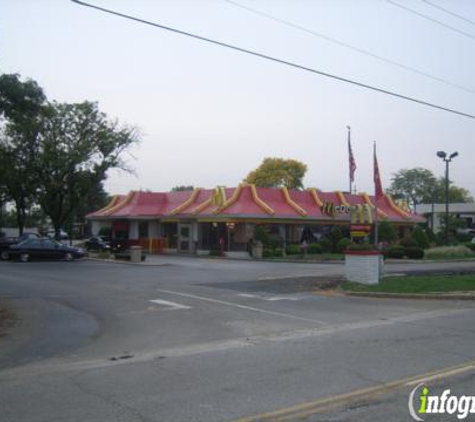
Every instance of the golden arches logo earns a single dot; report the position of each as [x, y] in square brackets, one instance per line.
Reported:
[361, 214]
[218, 197]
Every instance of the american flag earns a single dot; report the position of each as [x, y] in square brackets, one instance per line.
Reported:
[378, 188]
[352, 158]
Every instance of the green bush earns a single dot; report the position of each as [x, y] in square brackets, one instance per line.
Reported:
[335, 236]
[420, 237]
[315, 248]
[343, 244]
[292, 249]
[408, 242]
[470, 246]
[326, 245]
[463, 237]
[414, 252]
[396, 252]
[430, 234]
[267, 253]
[261, 234]
[105, 232]
[449, 252]
[278, 251]
[386, 232]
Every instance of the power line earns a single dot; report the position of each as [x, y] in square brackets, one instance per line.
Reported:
[351, 47]
[449, 12]
[408, 9]
[276, 60]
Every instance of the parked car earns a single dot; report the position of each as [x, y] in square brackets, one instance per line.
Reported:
[119, 245]
[43, 248]
[97, 243]
[6, 242]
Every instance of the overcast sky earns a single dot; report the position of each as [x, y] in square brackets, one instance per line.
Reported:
[209, 115]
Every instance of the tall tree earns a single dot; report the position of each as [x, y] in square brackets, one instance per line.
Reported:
[180, 188]
[456, 193]
[21, 106]
[419, 185]
[413, 185]
[278, 172]
[79, 144]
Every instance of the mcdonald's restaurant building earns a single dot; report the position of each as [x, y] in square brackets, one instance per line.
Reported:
[225, 219]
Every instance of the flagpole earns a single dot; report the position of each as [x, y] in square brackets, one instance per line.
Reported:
[349, 143]
[376, 240]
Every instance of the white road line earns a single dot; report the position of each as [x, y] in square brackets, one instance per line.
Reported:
[275, 298]
[171, 305]
[239, 306]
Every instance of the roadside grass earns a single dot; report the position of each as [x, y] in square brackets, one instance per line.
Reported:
[449, 252]
[417, 284]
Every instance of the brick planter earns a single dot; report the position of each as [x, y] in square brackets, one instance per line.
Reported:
[363, 266]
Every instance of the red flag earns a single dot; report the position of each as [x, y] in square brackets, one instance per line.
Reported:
[351, 158]
[378, 188]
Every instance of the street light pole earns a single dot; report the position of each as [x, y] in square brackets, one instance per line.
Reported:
[443, 156]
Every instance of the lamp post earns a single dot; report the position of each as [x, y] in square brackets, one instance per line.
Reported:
[443, 156]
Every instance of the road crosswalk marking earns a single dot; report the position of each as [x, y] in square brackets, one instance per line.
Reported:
[171, 305]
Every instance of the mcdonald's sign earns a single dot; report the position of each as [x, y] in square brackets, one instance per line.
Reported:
[329, 208]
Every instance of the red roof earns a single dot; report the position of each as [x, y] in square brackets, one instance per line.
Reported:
[248, 201]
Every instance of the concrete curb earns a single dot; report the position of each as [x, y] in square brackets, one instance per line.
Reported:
[431, 296]
[120, 262]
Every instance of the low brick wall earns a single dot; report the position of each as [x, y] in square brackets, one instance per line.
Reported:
[363, 266]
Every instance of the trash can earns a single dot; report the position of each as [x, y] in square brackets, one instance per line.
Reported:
[136, 253]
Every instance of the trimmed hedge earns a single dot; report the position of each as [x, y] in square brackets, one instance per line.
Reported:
[292, 249]
[315, 248]
[414, 252]
[343, 244]
[396, 252]
[326, 245]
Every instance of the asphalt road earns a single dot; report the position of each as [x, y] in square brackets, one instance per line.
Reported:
[212, 340]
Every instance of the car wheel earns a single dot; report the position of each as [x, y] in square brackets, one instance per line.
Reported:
[69, 256]
[5, 255]
[24, 257]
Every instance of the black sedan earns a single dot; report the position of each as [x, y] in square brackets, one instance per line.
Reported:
[97, 243]
[44, 248]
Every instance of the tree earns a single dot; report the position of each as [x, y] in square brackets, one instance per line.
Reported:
[21, 106]
[419, 185]
[278, 172]
[78, 145]
[456, 193]
[412, 185]
[386, 232]
[182, 188]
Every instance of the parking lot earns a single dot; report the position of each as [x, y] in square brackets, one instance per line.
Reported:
[207, 339]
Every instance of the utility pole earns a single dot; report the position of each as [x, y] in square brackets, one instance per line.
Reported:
[443, 156]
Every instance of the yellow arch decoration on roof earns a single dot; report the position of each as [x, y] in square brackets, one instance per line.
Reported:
[315, 197]
[395, 208]
[187, 203]
[292, 203]
[368, 201]
[227, 203]
[342, 198]
[203, 205]
[260, 202]
[115, 199]
[121, 204]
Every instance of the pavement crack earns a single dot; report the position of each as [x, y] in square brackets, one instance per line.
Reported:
[134, 412]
